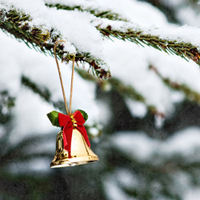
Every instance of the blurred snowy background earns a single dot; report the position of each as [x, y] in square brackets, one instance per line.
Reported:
[144, 155]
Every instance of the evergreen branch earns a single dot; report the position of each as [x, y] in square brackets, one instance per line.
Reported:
[43, 92]
[162, 172]
[19, 185]
[108, 14]
[126, 91]
[184, 50]
[6, 104]
[21, 156]
[189, 93]
[40, 38]
[18, 152]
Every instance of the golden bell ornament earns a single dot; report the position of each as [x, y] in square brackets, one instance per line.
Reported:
[80, 152]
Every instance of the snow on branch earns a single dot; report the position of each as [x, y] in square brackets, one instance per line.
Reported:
[42, 38]
[84, 27]
[127, 91]
[190, 94]
[183, 49]
[175, 43]
[108, 14]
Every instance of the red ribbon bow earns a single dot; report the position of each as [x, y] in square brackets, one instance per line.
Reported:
[69, 123]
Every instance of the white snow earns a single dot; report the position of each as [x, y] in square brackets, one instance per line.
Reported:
[138, 144]
[10, 71]
[81, 33]
[192, 193]
[112, 189]
[137, 108]
[185, 142]
[185, 12]
[30, 116]
[135, 61]
[127, 10]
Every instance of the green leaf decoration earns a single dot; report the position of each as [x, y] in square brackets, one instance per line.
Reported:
[85, 115]
[53, 117]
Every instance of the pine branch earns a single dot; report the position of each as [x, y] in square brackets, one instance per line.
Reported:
[18, 24]
[7, 102]
[162, 172]
[43, 92]
[184, 50]
[189, 93]
[108, 14]
[40, 38]
[126, 91]
[18, 152]
[20, 185]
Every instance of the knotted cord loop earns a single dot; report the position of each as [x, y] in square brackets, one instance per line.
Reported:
[61, 82]
[71, 89]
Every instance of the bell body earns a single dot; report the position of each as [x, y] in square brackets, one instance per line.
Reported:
[80, 152]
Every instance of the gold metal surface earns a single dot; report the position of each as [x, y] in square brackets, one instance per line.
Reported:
[80, 152]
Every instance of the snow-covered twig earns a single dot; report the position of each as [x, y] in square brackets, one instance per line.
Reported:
[42, 38]
[182, 49]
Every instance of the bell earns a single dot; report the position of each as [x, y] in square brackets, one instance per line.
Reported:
[80, 152]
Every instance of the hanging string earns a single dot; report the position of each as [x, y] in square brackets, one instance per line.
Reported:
[71, 89]
[61, 82]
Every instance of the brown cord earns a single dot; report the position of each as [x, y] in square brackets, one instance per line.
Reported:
[71, 89]
[61, 82]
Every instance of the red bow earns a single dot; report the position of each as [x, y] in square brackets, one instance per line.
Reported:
[69, 123]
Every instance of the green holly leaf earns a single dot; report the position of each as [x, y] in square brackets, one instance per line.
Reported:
[53, 117]
[85, 115]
